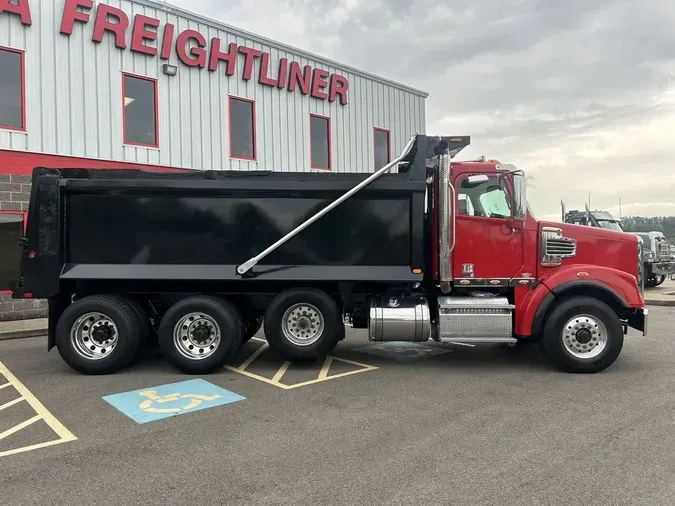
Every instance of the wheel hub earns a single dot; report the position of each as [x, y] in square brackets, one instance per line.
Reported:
[302, 324]
[201, 333]
[196, 336]
[94, 336]
[584, 336]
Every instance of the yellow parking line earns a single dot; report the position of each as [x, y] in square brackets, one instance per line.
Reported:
[366, 368]
[42, 413]
[11, 403]
[17, 428]
[276, 379]
[255, 355]
[282, 370]
[5, 385]
[326, 366]
[259, 378]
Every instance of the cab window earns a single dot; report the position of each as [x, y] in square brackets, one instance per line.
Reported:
[489, 199]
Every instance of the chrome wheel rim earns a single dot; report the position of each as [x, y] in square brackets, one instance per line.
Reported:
[585, 337]
[196, 336]
[94, 336]
[302, 324]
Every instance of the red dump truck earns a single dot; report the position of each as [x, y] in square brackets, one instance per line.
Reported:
[426, 248]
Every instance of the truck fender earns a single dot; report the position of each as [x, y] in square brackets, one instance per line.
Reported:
[616, 288]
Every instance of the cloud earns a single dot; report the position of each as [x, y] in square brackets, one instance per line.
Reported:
[581, 95]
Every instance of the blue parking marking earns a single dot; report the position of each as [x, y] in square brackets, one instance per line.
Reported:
[154, 403]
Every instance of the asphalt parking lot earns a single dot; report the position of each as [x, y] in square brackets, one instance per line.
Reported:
[411, 425]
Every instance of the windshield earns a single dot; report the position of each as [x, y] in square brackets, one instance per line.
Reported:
[611, 225]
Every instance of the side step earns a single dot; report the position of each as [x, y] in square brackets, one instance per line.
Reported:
[478, 340]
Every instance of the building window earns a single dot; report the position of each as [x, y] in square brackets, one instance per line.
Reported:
[319, 140]
[382, 148]
[242, 128]
[12, 92]
[140, 111]
[12, 228]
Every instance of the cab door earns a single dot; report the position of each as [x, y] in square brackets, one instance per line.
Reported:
[488, 243]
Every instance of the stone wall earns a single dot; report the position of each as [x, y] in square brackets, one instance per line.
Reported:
[14, 196]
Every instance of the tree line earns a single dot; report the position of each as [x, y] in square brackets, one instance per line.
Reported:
[665, 224]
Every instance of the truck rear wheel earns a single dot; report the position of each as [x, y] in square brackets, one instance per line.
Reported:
[303, 324]
[143, 325]
[99, 334]
[582, 335]
[200, 334]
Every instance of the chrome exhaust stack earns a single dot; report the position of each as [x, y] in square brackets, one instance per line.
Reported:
[446, 238]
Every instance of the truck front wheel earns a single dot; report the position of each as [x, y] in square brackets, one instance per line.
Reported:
[99, 334]
[582, 335]
[200, 334]
[303, 324]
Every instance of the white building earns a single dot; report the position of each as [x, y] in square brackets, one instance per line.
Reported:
[143, 82]
[139, 83]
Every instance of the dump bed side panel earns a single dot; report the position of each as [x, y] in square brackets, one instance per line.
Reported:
[181, 228]
[166, 229]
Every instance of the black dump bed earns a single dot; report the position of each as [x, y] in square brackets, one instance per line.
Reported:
[105, 224]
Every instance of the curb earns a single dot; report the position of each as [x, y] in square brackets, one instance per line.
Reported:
[22, 334]
[659, 302]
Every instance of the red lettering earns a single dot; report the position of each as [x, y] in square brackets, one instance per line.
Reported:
[319, 82]
[283, 72]
[250, 55]
[141, 34]
[230, 58]
[196, 56]
[263, 77]
[21, 9]
[296, 78]
[167, 40]
[71, 14]
[338, 86]
[102, 24]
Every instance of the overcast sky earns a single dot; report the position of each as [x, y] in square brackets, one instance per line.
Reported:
[581, 95]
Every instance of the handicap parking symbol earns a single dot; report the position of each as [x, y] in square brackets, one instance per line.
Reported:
[154, 403]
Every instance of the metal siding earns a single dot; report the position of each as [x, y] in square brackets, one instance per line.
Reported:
[74, 101]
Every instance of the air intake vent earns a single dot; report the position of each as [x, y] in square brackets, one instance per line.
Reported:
[555, 247]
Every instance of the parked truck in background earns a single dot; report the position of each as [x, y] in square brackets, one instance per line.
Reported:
[201, 259]
[658, 260]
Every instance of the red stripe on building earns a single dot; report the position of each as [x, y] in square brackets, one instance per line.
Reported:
[22, 163]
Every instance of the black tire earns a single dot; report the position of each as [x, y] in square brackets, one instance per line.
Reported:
[659, 280]
[74, 351]
[143, 323]
[213, 355]
[552, 341]
[322, 342]
[252, 326]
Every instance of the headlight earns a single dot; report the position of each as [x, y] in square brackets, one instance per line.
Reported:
[649, 256]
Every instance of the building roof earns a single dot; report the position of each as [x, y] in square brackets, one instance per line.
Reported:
[184, 13]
